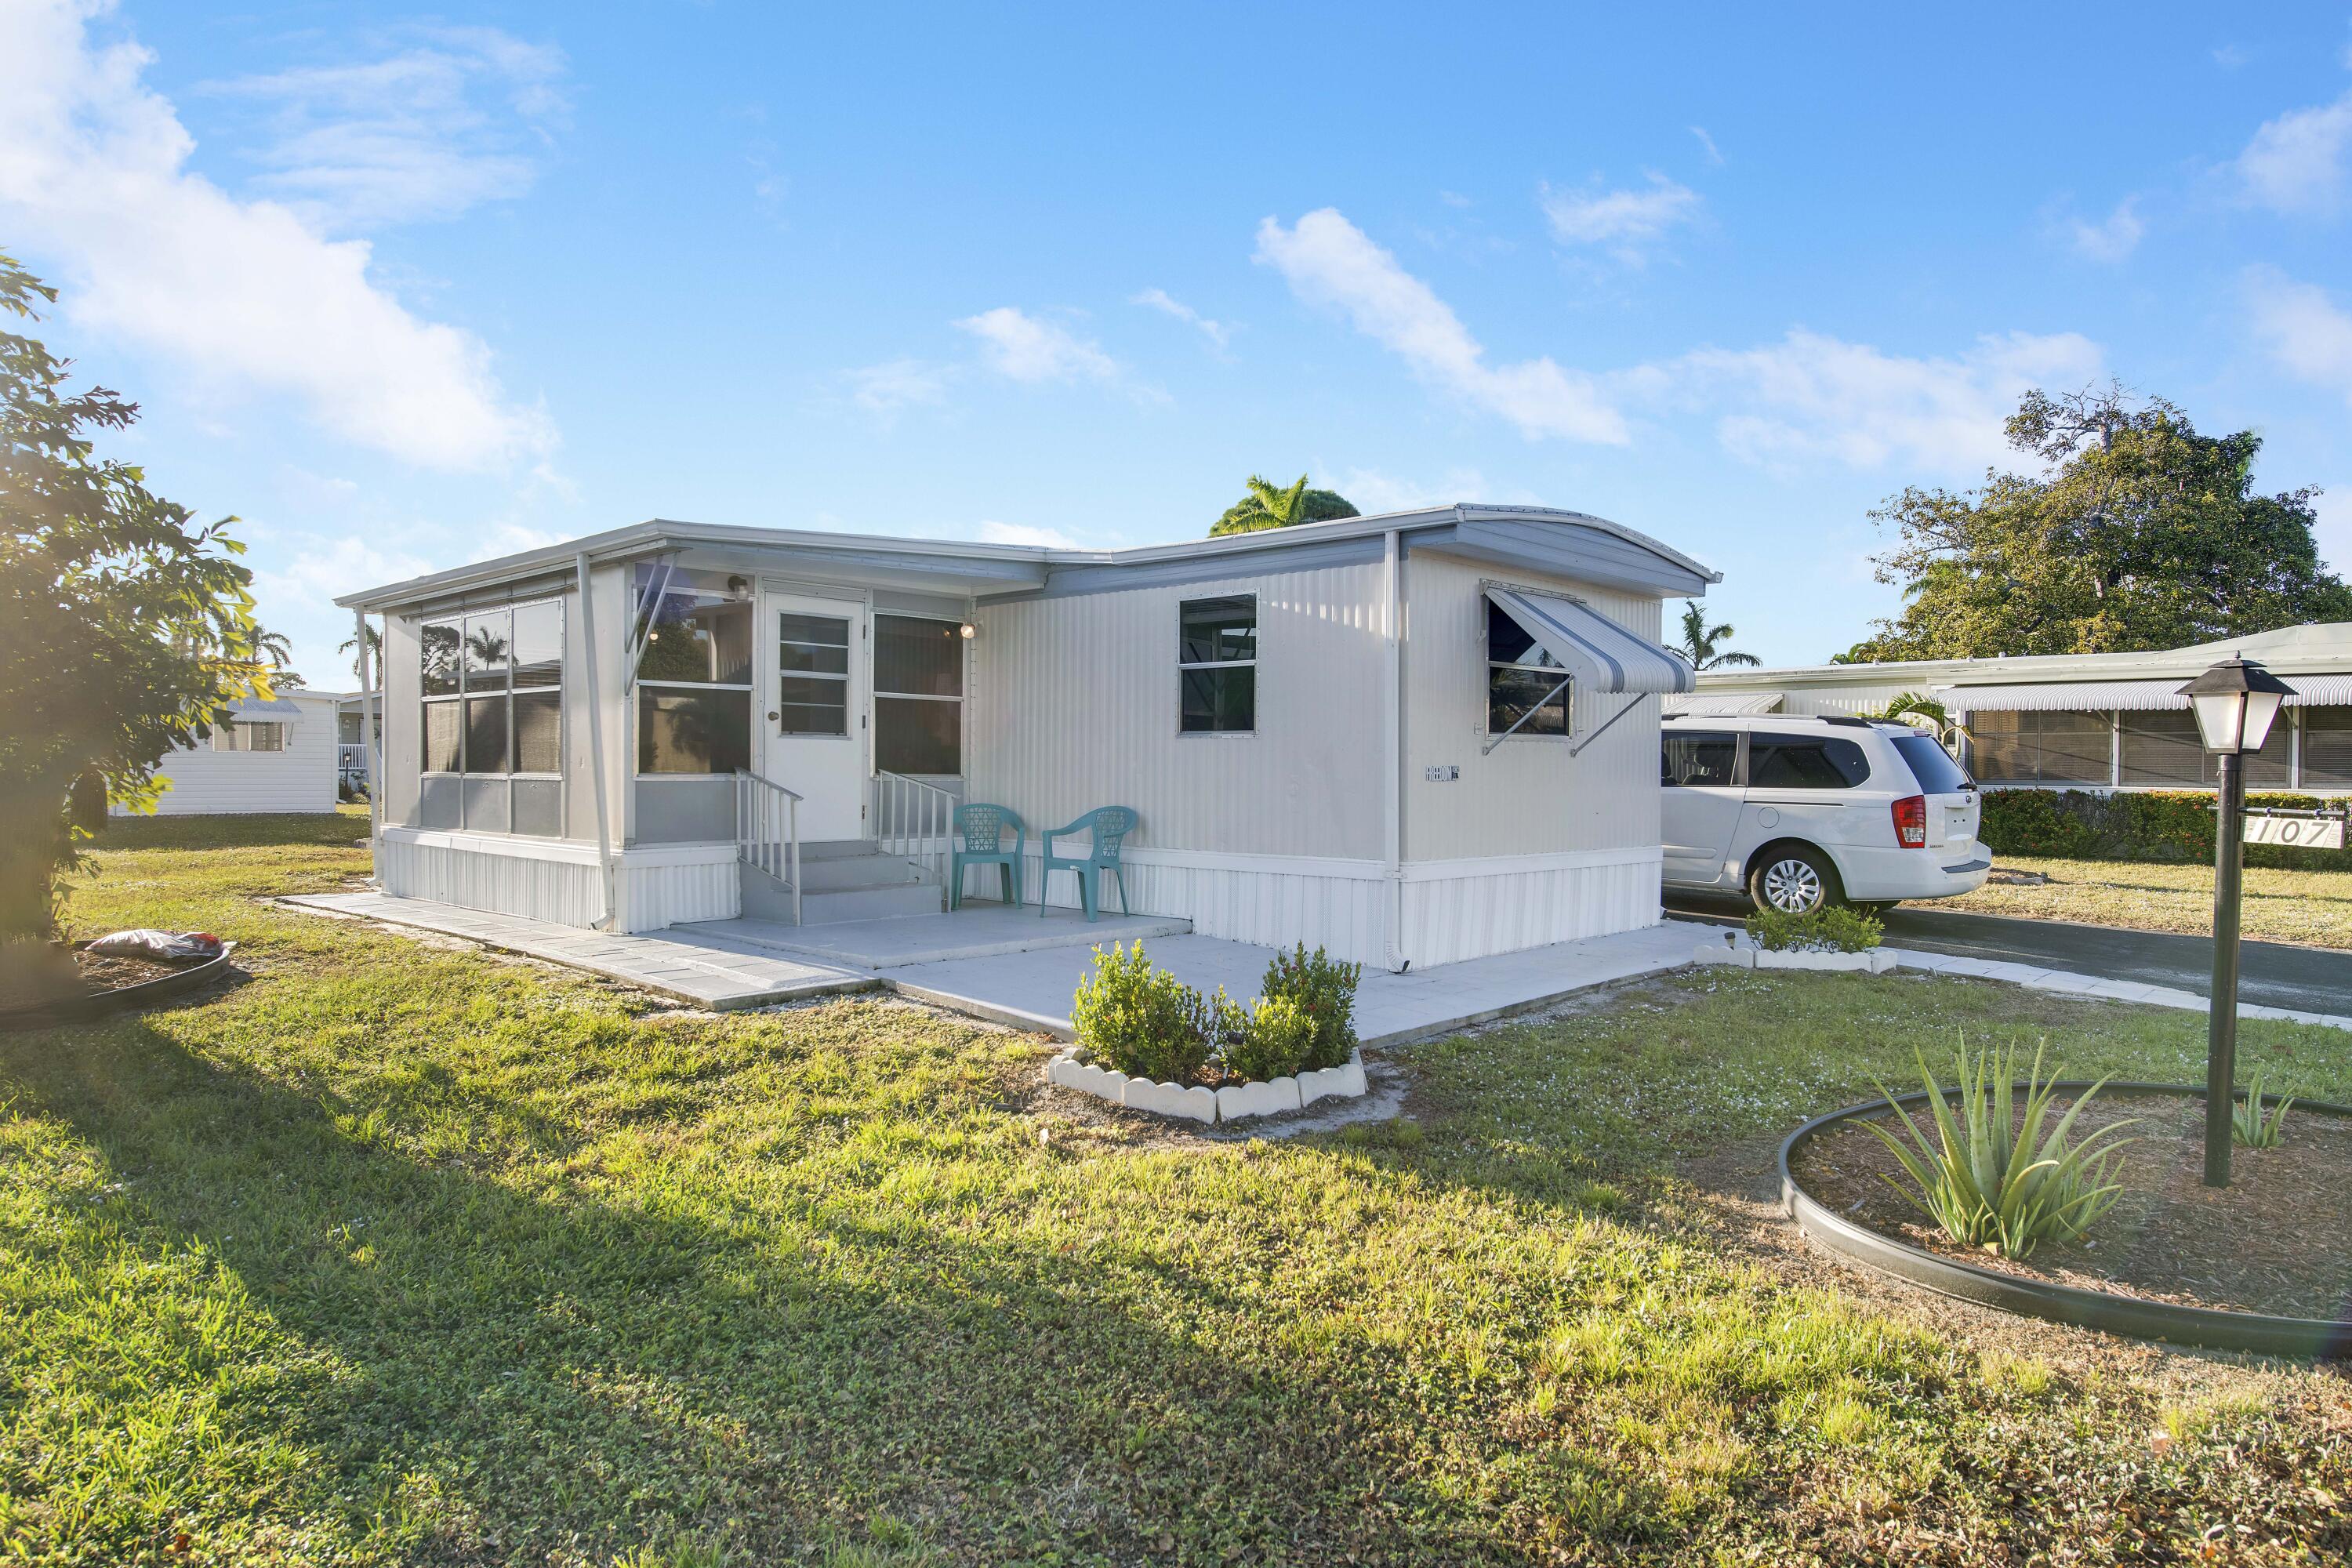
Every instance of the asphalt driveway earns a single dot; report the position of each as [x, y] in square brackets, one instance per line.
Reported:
[2273, 975]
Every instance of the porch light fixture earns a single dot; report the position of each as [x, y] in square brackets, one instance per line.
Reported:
[2235, 702]
[967, 631]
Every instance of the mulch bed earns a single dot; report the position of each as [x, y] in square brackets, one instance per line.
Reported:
[2278, 1239]
[99, 972]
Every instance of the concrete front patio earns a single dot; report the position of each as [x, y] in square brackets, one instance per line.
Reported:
[1012, 967]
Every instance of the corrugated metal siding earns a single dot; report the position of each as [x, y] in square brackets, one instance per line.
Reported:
[651, 897]
[299, 778]
[1451, 919]
[1525, 797]
[1074, 706]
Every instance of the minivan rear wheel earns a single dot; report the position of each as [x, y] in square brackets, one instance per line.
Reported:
[1792, 879]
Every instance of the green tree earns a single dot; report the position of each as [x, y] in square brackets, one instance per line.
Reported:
[125, 625]
[1703, 644]
[2138, 533]
[1266, 507]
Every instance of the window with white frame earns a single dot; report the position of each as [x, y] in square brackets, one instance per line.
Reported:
[491, 691]
[918, 695]
[261, 735]
[1216, 660]
[1527, 689]
[694, 684]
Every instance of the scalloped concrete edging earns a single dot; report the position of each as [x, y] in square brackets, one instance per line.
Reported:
[1874, 961]
[2213, 1328]
[1234, 1103]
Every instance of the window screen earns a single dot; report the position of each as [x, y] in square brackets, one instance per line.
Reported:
[1216, 657]
[1527, 689]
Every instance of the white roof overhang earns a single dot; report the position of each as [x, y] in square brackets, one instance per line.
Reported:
[1727, 704]
[2124, 696]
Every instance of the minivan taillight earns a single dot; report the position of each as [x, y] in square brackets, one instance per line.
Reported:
[1911, 822]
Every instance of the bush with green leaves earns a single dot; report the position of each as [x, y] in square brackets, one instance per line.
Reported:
[2164, 826]
[1324, 989]
[2251, 1126]
[1991, 1178]
[1136, 1018]
[1275, 1041]
[1826, 928]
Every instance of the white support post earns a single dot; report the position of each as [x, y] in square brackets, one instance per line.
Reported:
[1393, 955]
[598, 762]
[370, 739]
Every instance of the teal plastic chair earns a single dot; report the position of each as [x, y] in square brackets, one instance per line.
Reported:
[1105, 827]
[980, 831]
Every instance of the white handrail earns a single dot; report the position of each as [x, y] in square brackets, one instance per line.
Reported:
[767, 830]
[915, 820]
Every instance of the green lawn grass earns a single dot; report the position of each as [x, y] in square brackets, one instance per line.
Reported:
[2309, 907]
[404, 1254]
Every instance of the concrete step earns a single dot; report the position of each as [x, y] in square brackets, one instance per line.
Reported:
[868, 904]
[849, 873]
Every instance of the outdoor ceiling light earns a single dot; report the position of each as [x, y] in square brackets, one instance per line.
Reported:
[967, 631]
[2235, 702]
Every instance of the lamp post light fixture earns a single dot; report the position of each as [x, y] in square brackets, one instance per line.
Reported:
[2235, 702]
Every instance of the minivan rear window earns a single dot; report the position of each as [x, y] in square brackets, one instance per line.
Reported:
[1805, 761]
[1931, 764]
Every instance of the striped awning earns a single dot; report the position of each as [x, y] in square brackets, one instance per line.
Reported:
[1726, 704]
[1603, 656]
[2124, 696]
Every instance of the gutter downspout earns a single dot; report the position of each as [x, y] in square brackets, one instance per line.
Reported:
[370, 743]
[597, 748]
[1392, 793]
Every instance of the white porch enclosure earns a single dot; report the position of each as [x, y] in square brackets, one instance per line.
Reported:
[1355, 734]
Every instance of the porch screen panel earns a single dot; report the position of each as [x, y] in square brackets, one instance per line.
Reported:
[2327, 747]
[2041, 748]
[2164, 747]
[694, 684]
[918, 695]
[492, 709]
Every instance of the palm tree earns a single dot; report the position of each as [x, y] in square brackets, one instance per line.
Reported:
[1268, 507]
[274, 646]
[1703, 644]
[350, 646]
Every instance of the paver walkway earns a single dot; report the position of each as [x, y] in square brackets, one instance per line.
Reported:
[976, 931]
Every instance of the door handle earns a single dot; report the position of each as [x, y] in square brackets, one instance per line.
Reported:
[774, 717]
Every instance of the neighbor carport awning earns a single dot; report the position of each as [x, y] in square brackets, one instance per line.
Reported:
[265, 708]
[1726, 704]
[2124, 696]
[1603, 656]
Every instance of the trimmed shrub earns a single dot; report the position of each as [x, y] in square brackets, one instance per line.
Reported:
[1827, 928]
[2148, 825]
[1141, 1020]
[1275, 1042]
[1324, 989]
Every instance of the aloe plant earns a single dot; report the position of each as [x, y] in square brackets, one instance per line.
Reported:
[1991, 1178]
[2250, 1126]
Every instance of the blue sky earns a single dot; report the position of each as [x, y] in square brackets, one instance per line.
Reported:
[405, 289]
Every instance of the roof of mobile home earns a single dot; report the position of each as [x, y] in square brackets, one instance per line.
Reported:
[1570, 543]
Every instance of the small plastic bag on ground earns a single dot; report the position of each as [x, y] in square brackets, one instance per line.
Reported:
[164, 946]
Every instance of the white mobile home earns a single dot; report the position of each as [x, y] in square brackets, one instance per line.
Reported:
[2095, 722]
[276, 754]
[1413, 739]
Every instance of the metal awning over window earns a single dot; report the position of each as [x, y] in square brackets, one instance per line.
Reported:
[1603, 656]
[2123, 696]
[250, 709]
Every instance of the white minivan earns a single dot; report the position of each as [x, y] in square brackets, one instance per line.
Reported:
[1799, 811]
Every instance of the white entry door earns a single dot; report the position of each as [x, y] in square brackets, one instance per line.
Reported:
[812, 657]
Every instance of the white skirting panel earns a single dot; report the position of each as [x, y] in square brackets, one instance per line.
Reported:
[1274, 901]
[1455, 910]
[556, 880]
[672, 892]
[472, 873]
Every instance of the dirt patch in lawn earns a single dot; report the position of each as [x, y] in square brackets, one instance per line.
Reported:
[2278, 1239]
[54, 979]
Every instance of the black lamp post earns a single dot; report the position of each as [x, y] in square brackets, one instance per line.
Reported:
[2235, 702]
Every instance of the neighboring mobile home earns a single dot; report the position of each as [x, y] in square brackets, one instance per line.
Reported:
[1412, 739]
[276, 754]
[2096, 721]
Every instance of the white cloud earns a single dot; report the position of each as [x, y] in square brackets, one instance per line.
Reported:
[1624, 220]
[450, 119]
[1810, 398]
[1373, 491]
[1714, 153]
[2113, 237]
[2305, 332]
[898, 384]
[1217, 332]
[2295, 163]
[1328, 261]
[245, 295]
[1023, 533]
[1022, 348]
